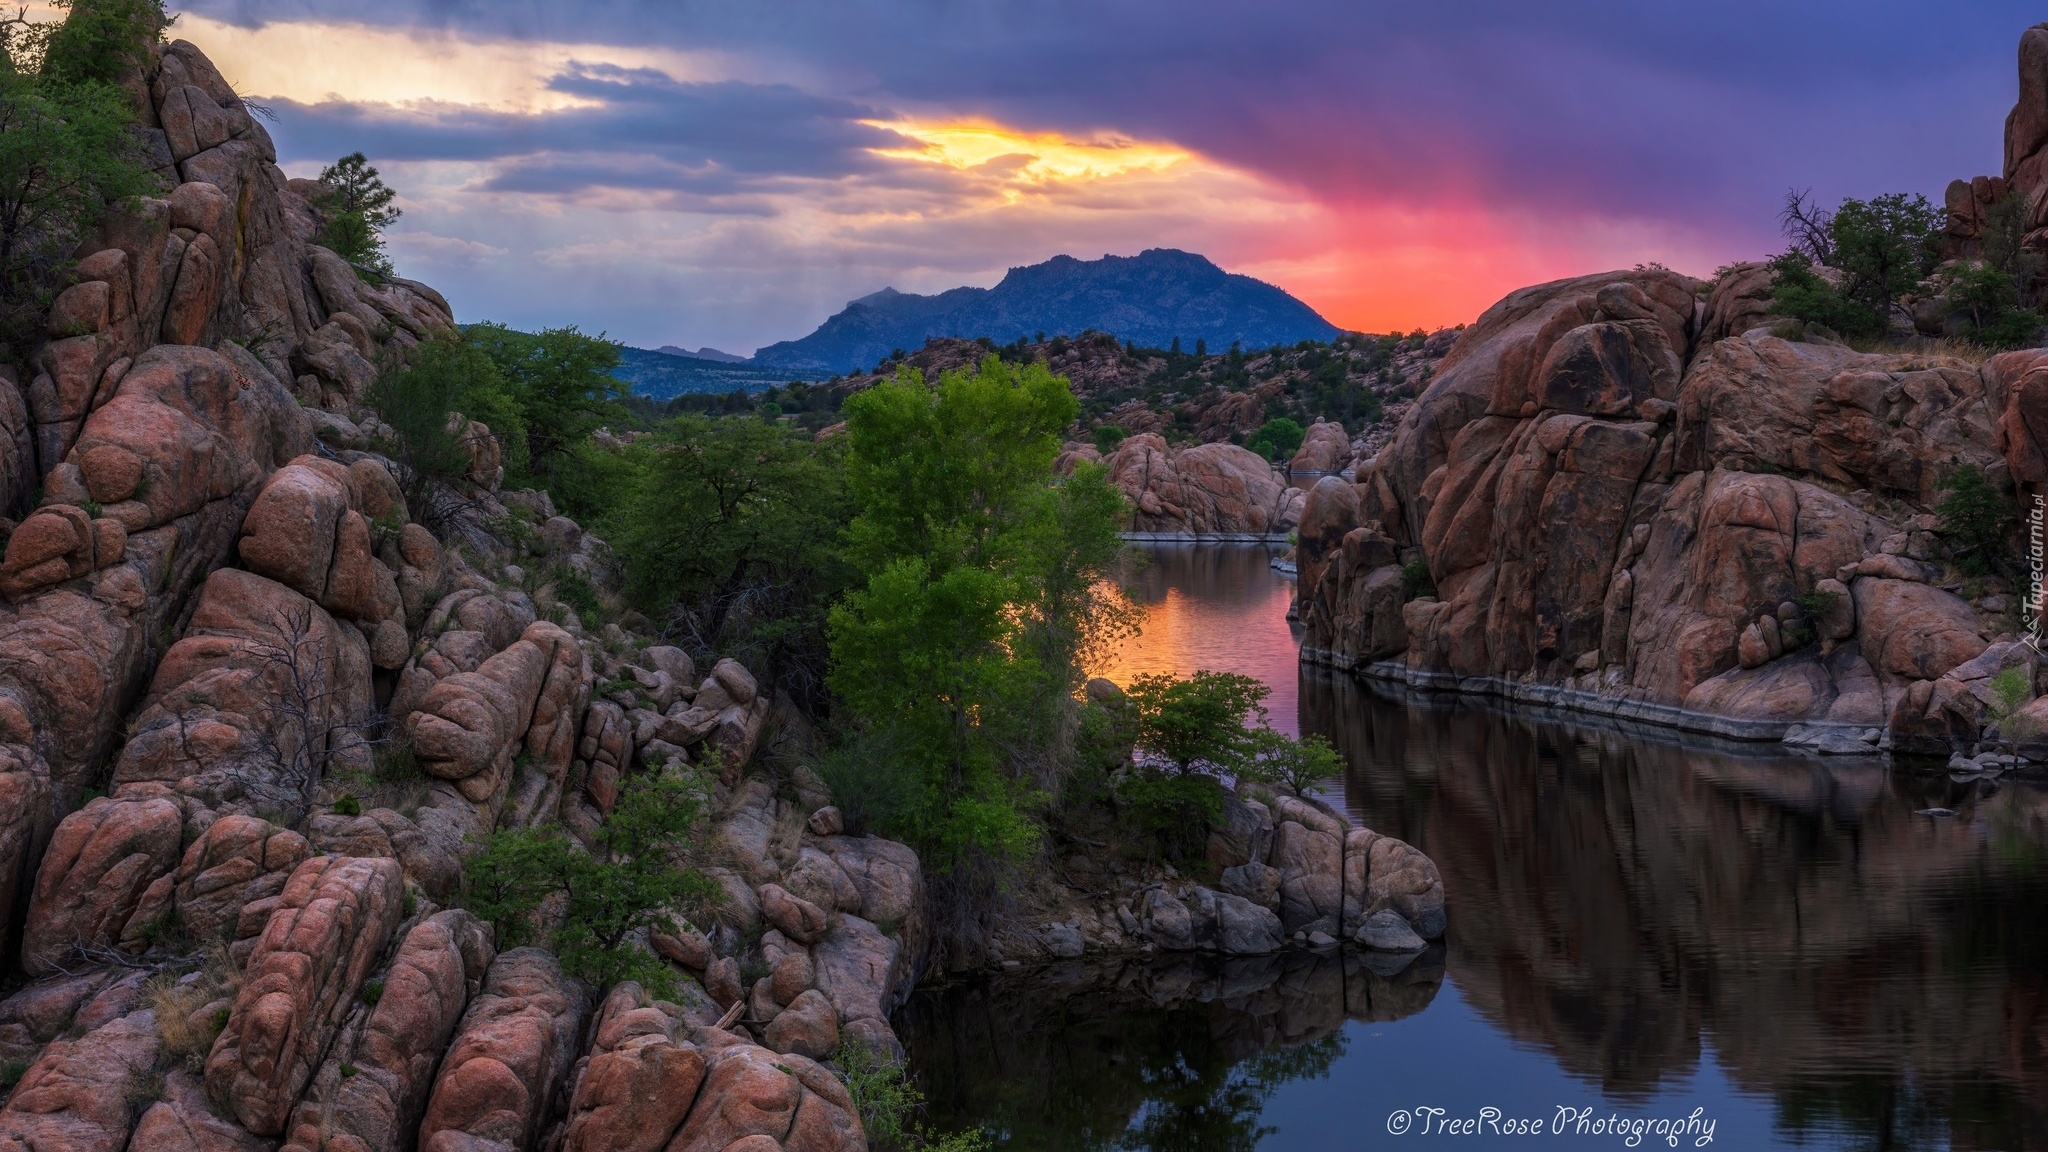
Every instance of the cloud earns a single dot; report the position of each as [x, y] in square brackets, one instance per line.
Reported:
[746, 168]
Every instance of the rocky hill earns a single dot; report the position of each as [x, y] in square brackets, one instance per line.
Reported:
[1625, 493]
[256, 716]
[1154, 298]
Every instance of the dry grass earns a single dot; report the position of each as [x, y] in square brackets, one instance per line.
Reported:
[177, 999]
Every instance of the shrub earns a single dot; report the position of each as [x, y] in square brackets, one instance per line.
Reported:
[1416, 581]
[1989, 300]
[1297, 765]
[1800, 292]
[889, 1105]
[1977, 518]
[870, 785]
[1175, 813]
[1277, 438]
[636, 874]
[1108, 437]
[1197, 724]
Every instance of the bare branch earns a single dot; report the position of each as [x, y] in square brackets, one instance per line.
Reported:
[1808, 226]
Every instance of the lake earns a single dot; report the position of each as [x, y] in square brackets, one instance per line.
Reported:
[1644, 930]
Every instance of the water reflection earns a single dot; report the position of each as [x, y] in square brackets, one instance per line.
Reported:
[1622, 901]
[1213, 607]
[1182, 1053]
[1637, 921]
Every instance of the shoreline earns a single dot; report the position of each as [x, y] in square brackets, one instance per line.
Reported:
[1812, 736]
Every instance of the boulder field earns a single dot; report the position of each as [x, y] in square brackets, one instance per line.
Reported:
[231, 903]
[1625, 493]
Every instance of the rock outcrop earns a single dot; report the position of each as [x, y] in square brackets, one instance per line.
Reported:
[251, 710]
[1206, 490]
[1617, 510]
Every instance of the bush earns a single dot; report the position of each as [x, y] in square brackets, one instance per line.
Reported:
[1416, 581]
[1108, 437]
[1197, 724]
[889, 1104]
[634, 876]
[1175, 813]
[1977, 518]
[1277, 438]
[443, 376]
[869, 784]
[1800, 292]
[1296, 765]
[1988, 299]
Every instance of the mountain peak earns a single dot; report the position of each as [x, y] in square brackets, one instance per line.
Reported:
[1152, 299]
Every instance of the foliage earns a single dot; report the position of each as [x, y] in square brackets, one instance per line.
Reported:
[1988, 298]
[1277, 438]
[1801, 293]
[561, 389]
[635, 875]
[868, 781]
[415, 398]
[1882, 247]
[1977, 518]
[728, 528]
[68, 145]
[1174, 812]
[983, 578]
[1297, 765]
[1109, 437]
[355, 208]
[889, 1105]
[1197, 724]
[1416, 581]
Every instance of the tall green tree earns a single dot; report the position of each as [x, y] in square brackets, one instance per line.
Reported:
[356, 208]
[982, 574]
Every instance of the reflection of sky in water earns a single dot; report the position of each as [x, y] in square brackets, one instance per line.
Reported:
[1216, 608]
[1640, 923]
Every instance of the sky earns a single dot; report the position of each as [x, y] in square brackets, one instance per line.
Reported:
[730, 172]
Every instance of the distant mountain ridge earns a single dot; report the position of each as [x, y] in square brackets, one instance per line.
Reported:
[665, 375]
[1153, 298]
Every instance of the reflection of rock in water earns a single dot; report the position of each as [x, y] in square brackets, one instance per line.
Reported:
[1070, 1056]
[1620, 900]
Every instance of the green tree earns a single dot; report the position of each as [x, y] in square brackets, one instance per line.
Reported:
[981, 588]
[1988, 298]
[68, 148]
[1198, 724]
[562, 384]
[635, 875]
[1108, 437]
[102, 42]
[1977, 518]
[1798, 291]
[1885, 246]
[728, 529]
[1296, 765]
[416, 397]
[356, 208]
[1278, 438]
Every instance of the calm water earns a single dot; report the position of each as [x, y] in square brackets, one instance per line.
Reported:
[1639, 927]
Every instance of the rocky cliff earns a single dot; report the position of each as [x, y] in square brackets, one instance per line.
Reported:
[228, 906]
[1630, 496]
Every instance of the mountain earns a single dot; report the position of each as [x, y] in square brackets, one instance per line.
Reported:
[664, 375]
[705, 353]
[1150, 299]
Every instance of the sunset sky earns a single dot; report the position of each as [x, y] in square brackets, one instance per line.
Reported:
[730, 172]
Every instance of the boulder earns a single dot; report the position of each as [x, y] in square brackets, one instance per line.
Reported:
[77, 1097]
[106, 875]
[1325, 447]
[640, 1080]
[372, 1088]
[786, 1100]
[516, 1041]
[319, 947]
[1204, 490]
[808, 1026]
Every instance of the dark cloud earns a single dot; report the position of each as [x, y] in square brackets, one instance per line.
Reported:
[1682, 110]
[646, 131]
